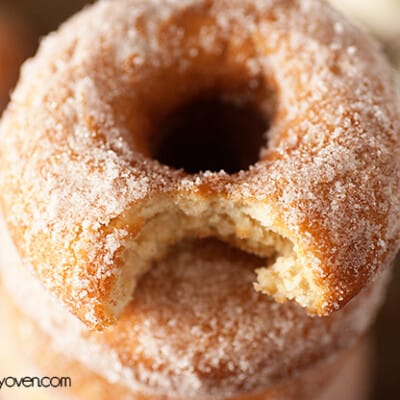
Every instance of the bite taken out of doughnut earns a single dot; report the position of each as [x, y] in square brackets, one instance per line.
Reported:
[103, 165]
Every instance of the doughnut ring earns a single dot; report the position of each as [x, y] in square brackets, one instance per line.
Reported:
[196, 328]
[92, 197]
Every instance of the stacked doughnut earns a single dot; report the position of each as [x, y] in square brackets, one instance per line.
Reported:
[148, 258]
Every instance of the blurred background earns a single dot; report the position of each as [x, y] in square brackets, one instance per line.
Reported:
[23, 22]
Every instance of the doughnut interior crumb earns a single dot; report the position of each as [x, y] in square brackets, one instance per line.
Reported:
[285, 275]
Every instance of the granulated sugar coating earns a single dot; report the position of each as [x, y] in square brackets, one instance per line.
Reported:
[196, 328]
[90, 208]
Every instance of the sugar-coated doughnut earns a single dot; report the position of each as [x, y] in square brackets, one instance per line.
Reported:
[90, 207]
[196, 328]
[345, 376]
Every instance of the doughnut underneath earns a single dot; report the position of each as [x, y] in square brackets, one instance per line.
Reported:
[28, 352]
[90, 206]
[196, 328]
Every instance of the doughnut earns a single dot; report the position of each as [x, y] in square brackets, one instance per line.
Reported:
[344, 377]
[92, 187]
[14, 48]
[195, 327]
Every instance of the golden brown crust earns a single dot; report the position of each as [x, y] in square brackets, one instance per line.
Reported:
[195, 327]
[88, 206]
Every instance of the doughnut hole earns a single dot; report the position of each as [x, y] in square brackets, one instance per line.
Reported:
[212, 135]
